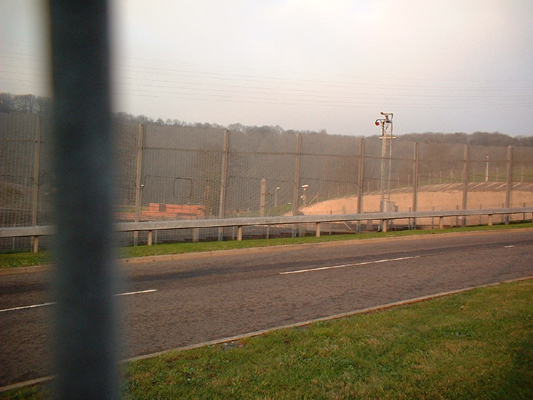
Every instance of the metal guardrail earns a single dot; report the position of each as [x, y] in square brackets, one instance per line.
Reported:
[301, 219]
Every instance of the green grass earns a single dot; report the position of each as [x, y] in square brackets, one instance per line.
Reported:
[473, 345]
[21, 259]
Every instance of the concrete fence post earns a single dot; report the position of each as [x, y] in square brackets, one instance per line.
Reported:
[465, 182]
[138, 177]
[509, 185]
[36, 183]
[415, 183]
[223, 184]
[296, 190]
[262, 199]
[360, 181]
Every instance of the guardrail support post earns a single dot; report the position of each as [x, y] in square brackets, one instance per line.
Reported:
[195, 235]
[150, 237]
[35, 244]
[384, 225]
[239, 233]
[490, 220]
[318, 229]
[441, 222]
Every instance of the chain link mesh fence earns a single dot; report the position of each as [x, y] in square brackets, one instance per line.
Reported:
[174, 172]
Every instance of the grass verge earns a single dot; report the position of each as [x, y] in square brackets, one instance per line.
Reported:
[24, 259]
[473, 345]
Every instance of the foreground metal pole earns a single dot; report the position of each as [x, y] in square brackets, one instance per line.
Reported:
[84, 330]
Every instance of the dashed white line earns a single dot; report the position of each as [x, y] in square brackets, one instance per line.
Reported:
[52, 303]
[509, 246]
[300, 271]
[139, 292]
[25, 307]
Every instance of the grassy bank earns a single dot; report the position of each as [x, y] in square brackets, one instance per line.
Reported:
[21, 259]
[473, 345]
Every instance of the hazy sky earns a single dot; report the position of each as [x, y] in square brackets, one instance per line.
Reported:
[441, 66]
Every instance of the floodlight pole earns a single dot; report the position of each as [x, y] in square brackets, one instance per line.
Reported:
[386, 136]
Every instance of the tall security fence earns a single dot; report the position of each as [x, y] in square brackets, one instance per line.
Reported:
[168, 172]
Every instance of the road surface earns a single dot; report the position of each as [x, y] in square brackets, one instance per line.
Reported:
[202, 297]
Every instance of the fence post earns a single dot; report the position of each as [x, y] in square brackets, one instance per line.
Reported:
[361, 181]
[415, 183]
[262, 199]
[465, 183]
[223, 184]
[138, 177]
[296, 193]
[509, 181]
[35, 194]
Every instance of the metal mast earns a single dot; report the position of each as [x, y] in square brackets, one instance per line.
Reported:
[386, 138]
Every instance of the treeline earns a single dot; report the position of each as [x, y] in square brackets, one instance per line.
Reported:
[29, 103]
[476, 139]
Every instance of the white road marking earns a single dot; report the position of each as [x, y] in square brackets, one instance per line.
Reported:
[139, 292]
[509, 246]
[347, 265]
[50, 304]
[25, 307]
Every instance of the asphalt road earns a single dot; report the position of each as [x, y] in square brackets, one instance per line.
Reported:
[203, 297]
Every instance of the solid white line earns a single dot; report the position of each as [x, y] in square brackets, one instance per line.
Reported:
[347, 265]
[49, 304]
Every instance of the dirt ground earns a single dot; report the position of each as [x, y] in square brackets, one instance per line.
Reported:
[427, 201]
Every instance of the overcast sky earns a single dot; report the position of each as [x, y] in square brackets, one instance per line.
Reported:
[441, 66]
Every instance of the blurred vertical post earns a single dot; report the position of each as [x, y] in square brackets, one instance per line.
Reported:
[35, 194]
[84, 329]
